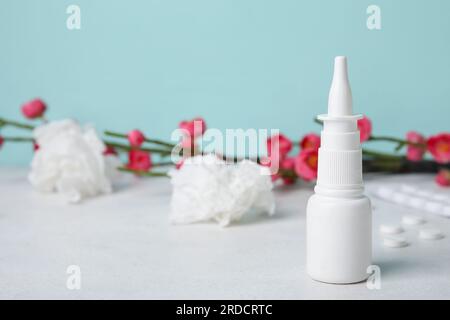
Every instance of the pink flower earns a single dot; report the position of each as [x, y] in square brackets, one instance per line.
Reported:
[439, 147]
[136, 138]
[280, 144]
[109, 151]
[414, 152]
[306, 164]
[275, 177]
[34, 109]
[443, 178]
[288, 180]
[2, 140]
[187, 142]
[288, 164]
[194, 128]
[310, 141]
[179, 164]
[365, 128]
[139, 160]
[278, 147]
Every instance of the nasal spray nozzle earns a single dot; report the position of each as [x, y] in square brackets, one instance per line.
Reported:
[339, 218]
[340, 98]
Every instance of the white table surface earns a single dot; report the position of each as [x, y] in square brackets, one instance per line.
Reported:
[126, 248]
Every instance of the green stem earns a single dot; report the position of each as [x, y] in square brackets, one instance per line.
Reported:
[129, 148]
[379, 165]
[155, 141]
[384, 138]
[400, 142]
[143, 173]
[381, 155]
[4, 122]
[162, 164]
[18, 139]
[288, 173]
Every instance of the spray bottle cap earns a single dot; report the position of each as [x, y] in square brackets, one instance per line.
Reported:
[340, 158]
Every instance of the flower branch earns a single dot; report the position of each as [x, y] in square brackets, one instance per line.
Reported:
[16, 124]
[130, 148]
[125, 136]
[381, 155]
[18, 139]
[301, 166]
[400, 142]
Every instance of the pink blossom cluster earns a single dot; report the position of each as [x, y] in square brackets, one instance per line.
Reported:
[304, 164]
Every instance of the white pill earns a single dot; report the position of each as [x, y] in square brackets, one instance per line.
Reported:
[390, 229]
[430, 234]
[400, 198]
[417, 203]
[413, 220]
[433, 206]
[395, 242]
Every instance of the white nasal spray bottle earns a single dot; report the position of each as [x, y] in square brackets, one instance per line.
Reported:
[339, 216]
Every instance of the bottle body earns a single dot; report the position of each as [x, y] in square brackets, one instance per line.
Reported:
[339, 216]
[339, 238]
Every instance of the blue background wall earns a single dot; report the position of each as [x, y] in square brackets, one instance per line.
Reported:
[238, 63]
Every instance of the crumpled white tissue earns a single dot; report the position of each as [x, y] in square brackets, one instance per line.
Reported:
[206, 188]
[70, 161]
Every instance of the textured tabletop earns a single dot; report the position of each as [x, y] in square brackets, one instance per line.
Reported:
[126, 248]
